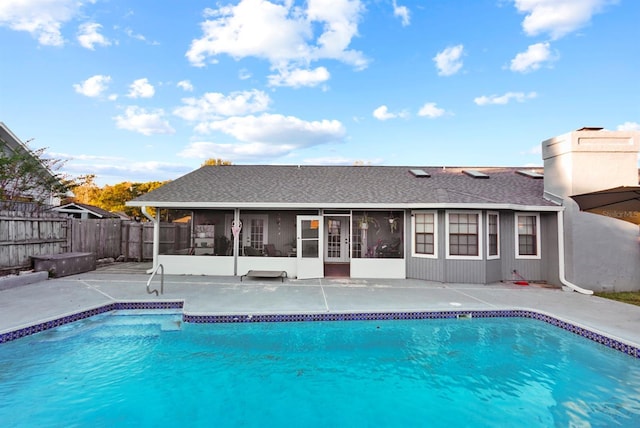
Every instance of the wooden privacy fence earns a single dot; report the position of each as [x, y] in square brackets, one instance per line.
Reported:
[23, 235]
[132, 240]
[137, 239]
[101, 237]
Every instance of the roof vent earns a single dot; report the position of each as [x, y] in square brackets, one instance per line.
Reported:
[530, 174]
[419, 173]
[475, 174]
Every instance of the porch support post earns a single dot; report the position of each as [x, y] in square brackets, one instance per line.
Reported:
[236, 243]
[156, 235]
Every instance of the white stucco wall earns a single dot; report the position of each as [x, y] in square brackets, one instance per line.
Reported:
[600, 253]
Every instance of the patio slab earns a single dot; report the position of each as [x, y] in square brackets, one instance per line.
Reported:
[206, 295]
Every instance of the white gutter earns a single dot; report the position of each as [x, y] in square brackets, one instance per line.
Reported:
[156, 235]
[340, 205]
[561, 256]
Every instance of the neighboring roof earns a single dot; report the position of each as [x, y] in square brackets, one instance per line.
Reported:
[78, 208]
[348, 187]
[14, 144]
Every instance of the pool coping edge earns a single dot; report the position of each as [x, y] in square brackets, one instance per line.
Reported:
[589, 333]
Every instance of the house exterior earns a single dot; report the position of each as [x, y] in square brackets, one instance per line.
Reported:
[37, 189]
[448, 224]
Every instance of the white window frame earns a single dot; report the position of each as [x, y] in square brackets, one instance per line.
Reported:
[479, 233]
[517, 243]
[489, 255]
[435, 235]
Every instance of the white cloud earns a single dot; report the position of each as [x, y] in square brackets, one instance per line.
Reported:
[185, 85]
[300, 77]
[88, 36]
[68, 156]
[557, 17]
[141, 88]
[532, 59]
[267, 135]
[43, 19]
[431, 111]
[402, 12]
[244, 74]
[329, 160]
[94, 86]
[122, 169]
[383, 113]
[279, 130]
[533, 150]
[504, 99]
[449, 62]
[137, 119]
[281, 33]
[629, 126]
[235, 151]
[214, 105]
[129, 32]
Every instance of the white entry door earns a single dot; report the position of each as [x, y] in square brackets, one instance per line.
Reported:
[336, 235]
[310, 263]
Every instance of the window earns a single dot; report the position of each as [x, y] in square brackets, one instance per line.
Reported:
[527, 236]
[493, 239]
[463, 235]
[377, 234]
[424, 235]
[254, 232]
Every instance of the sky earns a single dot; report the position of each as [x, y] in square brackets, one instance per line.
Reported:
[147, 90]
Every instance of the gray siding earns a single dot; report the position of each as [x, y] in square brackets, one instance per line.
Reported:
[543, 269]
[550, 264]
[494, 271]
[465, 271]
[443, 269]
[489, 271]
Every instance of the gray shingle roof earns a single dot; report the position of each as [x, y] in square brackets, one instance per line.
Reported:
[347, 185]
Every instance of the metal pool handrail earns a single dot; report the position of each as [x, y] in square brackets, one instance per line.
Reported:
[161, 280]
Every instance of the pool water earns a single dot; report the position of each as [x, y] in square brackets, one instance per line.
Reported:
[152, 370]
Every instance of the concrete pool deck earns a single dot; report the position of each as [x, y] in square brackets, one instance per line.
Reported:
[30, 304]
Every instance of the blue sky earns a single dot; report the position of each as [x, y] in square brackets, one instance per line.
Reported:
[145, 90]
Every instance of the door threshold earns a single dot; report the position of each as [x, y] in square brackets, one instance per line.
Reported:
[337, 270]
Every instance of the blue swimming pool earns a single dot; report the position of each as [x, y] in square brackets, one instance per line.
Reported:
[154, 370]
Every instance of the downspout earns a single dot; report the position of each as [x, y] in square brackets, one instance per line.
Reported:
[561, 256]
[156, 235]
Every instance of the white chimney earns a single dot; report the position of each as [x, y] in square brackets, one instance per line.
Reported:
[590, 159]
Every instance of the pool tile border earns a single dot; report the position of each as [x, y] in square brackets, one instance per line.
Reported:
[615, 344]
[46, 325]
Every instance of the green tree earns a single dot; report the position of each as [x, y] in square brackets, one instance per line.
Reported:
[215, 162]
[85, 190]
[29, 176]
[114, 197]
